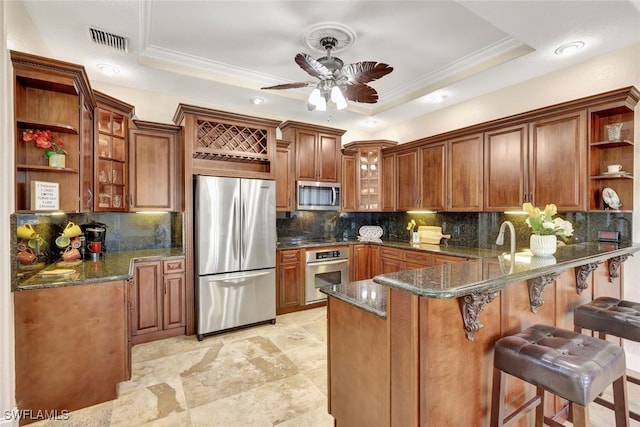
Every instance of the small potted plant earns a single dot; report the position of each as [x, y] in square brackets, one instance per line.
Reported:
[52, 147]
[546, 229]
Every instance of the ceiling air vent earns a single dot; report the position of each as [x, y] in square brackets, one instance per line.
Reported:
[110, 40]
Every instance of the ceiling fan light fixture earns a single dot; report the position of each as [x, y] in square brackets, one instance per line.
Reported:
[317, 101]
[337, 98]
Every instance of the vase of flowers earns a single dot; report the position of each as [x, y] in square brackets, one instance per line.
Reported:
[414, 236]
[52, 147]
[546, 229]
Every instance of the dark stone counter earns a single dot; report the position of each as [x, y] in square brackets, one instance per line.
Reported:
[366, 294]
[489, 274]
[112, 266]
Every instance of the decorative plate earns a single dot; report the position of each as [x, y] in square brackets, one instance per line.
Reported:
[611, 198]
[371, 231]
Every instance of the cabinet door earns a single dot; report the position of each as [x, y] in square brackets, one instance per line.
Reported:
[374, 260]
[406, 184]
[390, 265]
[557, 165]
[359, 263]
[285, 185]
[290, 286]
[431, 176]
[388, 185]
[174, 289]
[86, 161]
[465, 174]
[306, 155]
[111, 152]
[147, 293]
[505, 164]
[348, 187]
[152, 170]
[327, 158]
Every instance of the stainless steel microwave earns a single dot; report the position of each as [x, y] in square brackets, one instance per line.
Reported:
[318, 196]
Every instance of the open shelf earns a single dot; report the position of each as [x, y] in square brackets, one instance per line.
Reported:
[41, 124]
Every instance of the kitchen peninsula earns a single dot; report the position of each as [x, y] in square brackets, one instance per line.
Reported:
[416, 347]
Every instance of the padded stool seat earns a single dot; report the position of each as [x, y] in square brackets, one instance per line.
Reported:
[610, 316]
[573, 366]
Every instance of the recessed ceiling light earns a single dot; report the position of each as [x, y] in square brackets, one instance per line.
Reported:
[436, 97]
[256, 100]
[108, 69]
[370, 121]
[569, 48]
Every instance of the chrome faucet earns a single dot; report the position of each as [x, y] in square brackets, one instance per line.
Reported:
[500, 241]
[512, 230]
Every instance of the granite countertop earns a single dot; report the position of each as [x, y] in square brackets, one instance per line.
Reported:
[489, 274]
[366, 294]
[110, 267]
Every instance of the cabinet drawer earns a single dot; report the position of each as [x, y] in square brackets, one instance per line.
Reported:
[391, 253]
[173, 265]
[418, 257]
[290, 256]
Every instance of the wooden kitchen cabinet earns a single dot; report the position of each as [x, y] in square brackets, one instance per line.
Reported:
[360, 262]
[317, 151]
[604, 151]
[71, 345]
[421, 179]
[348, 186]
[525, 163]
[395, 259]
[505, 166]
[158, 299]
[285, 178]
[155, 172]
[290, 280]
[465, 174]
[111, 154]
[388, 203]
[56, 96]
[363, 174]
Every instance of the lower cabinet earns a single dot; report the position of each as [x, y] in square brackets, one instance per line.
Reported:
[394, 259]
[157, 299]
[71, 346]
[360, 262]
[290, 280]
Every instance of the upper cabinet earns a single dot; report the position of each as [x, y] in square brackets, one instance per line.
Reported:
[611, 139]
[529, 162]
[226, 144]
[420, 177]
[362, 175]
[285, 181]
[155, 171]
[317, 151]
[465, 173]
[111, 153]
[52, 98]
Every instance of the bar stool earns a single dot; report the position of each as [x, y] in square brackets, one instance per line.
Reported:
[610, 316]
[573, 366]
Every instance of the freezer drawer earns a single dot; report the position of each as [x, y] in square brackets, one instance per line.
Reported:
[230, 300]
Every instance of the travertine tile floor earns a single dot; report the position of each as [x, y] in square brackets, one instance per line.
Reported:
[262, 376]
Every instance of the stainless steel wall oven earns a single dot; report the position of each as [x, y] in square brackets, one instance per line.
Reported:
[324, 267]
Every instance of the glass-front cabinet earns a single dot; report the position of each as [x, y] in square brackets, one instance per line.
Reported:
[111, 150]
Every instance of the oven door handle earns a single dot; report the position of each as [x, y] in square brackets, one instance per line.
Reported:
[340, 261]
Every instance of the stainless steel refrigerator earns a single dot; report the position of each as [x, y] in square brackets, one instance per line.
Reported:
[235, 252]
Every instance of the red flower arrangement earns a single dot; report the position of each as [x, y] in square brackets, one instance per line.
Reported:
[44, 139]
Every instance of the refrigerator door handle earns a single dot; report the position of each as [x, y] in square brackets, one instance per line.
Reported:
[235, 229]
[243, 231]
[244, 276]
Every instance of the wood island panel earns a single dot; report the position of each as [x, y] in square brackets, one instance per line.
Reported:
[71, 345]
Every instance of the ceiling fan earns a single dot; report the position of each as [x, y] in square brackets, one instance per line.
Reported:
[338, 82]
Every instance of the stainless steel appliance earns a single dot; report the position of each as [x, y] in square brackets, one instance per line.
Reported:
[235, 252]
[324, 267]
[318, 196]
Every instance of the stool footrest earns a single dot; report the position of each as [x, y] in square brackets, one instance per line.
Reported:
[523, 410]
[607, 404]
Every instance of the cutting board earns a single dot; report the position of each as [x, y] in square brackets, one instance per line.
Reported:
[57, 272]
[431, 234]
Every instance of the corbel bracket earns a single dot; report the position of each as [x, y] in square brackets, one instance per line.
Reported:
[614, 266]
[536, 287]
[582, 274]
[472, 306]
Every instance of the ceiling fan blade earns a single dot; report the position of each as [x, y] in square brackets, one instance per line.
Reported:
[290, 85]
[365, 71]
[313, 67]
[360, 93]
